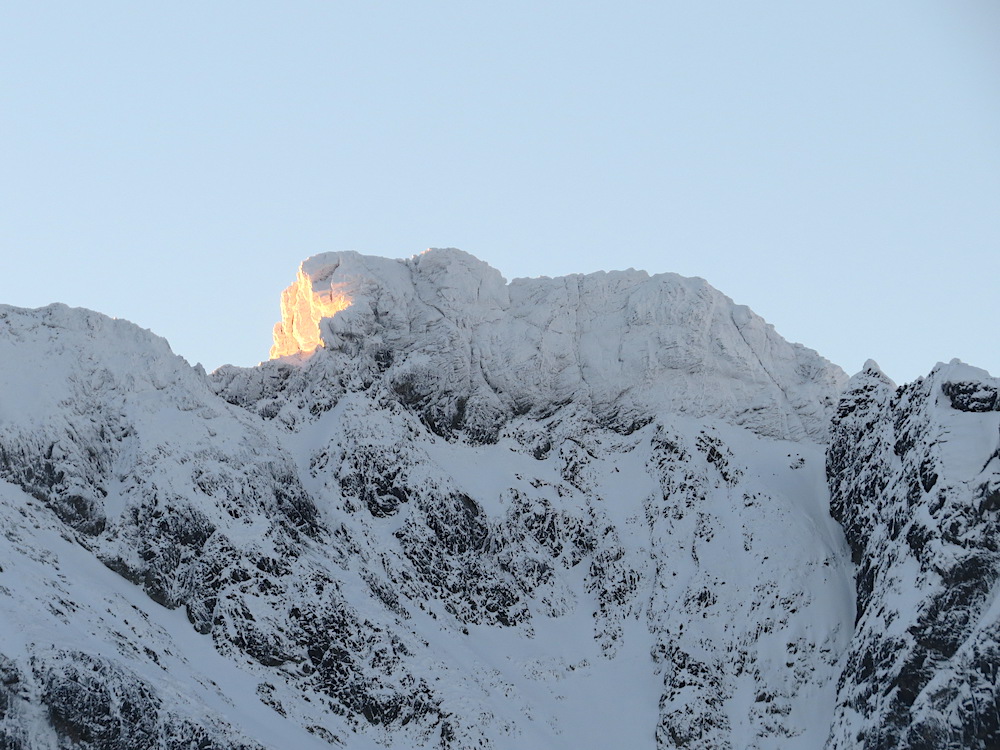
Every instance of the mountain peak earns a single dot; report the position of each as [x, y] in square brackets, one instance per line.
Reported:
[449, 336]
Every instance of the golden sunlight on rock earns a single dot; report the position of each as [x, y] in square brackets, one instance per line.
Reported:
[301, 311]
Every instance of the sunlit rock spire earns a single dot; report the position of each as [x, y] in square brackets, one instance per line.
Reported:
[303, 304]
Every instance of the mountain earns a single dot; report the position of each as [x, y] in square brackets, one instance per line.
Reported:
[611, 510]
[915, 481]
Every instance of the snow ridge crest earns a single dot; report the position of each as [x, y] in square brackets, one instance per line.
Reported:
[451, 338]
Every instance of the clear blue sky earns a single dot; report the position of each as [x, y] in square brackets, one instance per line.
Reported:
[833, 165]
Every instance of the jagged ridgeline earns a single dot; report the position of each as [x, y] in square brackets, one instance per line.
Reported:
[455, 512]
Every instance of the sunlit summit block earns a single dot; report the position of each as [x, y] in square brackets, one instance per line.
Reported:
[447, 334]
[302, 308]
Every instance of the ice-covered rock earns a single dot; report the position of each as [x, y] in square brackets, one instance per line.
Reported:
[445, 335]
[915, 479]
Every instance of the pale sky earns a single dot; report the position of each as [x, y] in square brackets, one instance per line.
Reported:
[833, 165]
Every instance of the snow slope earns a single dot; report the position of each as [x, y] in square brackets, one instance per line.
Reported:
[455, 512]
[86, 654]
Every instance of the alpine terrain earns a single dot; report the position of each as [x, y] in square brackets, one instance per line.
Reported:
[611, 510]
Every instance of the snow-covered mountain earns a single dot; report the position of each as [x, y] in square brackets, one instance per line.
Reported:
[456, 512]
[915, 481]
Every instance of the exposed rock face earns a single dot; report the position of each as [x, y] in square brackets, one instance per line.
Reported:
[560, 513]
[303, 306]
[915, 481]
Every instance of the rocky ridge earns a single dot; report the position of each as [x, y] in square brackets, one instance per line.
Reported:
[461, 519]
[446, 336]
[915, 481]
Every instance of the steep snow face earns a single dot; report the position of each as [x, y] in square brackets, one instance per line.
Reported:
[444, 334]
[915, 480]
[88, 660]
[579, 581]
[603, 589]
[199, 504]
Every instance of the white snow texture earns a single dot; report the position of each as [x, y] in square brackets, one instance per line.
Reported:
[582, 512]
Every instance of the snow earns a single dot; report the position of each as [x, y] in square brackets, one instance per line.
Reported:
[969, 439]
[624, 342]
[589, 511]
[913, 469]
[56, 596]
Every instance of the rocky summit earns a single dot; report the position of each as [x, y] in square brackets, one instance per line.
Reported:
[611, 510]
